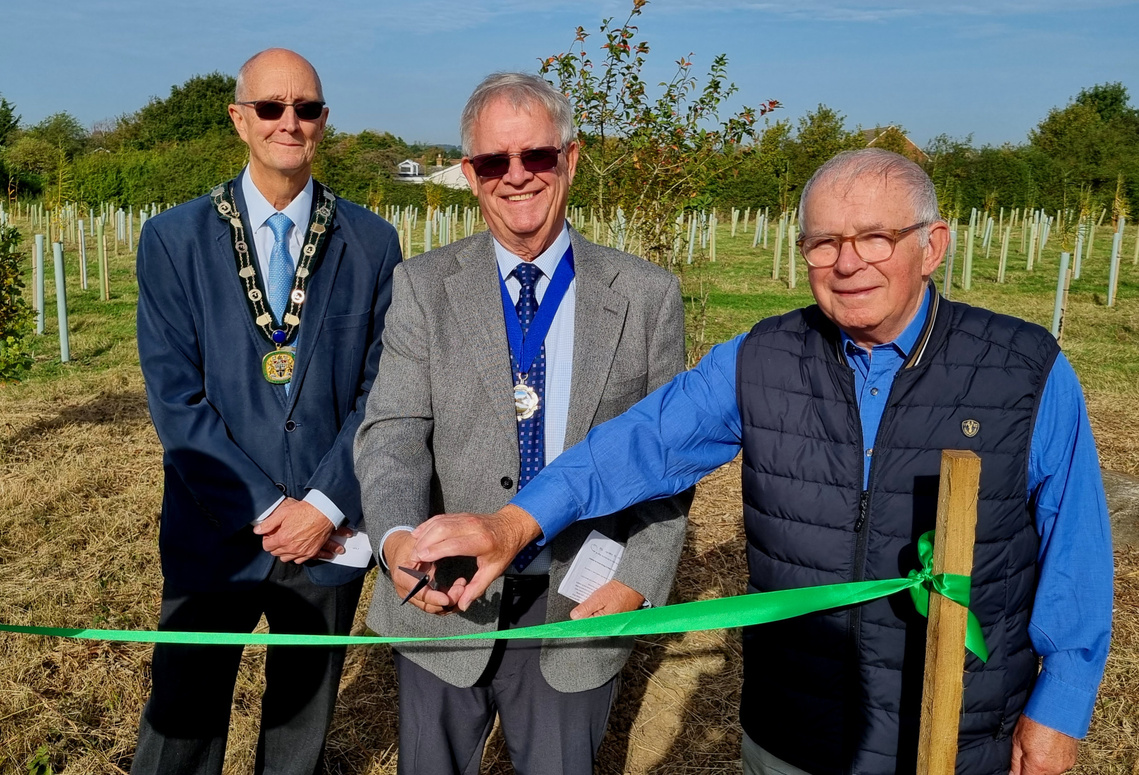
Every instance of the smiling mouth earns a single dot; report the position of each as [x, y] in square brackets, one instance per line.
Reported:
[521, 197]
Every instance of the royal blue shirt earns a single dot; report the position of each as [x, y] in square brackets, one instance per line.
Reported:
[691, 426]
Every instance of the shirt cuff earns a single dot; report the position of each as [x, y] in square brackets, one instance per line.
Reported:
[265, 514]
[1061, 706]
[384, 539]
[325, 506]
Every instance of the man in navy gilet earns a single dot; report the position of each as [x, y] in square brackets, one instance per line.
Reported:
[841, 410]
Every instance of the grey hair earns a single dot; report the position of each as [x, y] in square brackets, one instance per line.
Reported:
[849, 166]
[523, 91]
[239, 93]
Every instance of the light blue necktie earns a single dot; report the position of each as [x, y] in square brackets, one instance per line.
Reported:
[280, 269]
[280, 265]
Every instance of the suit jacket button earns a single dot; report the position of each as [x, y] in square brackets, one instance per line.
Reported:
[290, 426]
[280, 486]
[506, 482]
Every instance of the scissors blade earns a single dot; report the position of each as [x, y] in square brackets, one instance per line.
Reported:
[423, 580]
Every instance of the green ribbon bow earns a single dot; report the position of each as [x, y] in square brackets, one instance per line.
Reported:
[949, 585]
[721, 613]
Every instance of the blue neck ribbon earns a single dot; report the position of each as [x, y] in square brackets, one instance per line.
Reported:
[524, 349]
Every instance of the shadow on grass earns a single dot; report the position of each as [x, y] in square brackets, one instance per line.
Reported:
[104, 409]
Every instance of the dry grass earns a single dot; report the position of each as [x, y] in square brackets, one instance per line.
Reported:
[80, 479]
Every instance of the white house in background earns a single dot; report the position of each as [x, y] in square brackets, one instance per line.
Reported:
[451, 177]
[409, 168]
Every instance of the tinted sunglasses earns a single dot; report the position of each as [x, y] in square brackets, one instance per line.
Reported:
[271, 110]
[495, 165]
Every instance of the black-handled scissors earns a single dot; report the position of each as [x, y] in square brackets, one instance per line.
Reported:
[422, 580]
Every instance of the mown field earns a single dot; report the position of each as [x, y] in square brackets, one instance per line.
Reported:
[80, 481]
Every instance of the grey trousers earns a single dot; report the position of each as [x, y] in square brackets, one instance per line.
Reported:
[759, 762]
[184, 725]
[443, 728]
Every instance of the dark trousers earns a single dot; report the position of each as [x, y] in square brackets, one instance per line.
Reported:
[184, 725]
[443, 728]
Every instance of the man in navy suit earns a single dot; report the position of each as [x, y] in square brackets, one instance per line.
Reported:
[259, 319]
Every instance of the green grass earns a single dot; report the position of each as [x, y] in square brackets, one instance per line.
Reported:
[80, 488]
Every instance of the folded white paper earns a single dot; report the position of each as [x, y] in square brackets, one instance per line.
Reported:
[357, 550]
[595, 564]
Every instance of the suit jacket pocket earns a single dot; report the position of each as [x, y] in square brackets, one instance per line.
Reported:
[621, 388]
[619, 395]
[341, 322]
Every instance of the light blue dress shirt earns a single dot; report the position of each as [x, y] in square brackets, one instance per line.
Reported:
[258, 211]
[691, 426]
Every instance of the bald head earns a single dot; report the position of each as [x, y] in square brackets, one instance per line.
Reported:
[279, 59]
[279, 113]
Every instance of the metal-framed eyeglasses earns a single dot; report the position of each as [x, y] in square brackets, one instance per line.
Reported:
[872, 246]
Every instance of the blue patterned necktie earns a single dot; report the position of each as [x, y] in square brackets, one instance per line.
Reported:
[280, 265]
[531, 432]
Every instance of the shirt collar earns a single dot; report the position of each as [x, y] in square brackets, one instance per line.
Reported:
[258, 209]
[548, 261]
[909, 336]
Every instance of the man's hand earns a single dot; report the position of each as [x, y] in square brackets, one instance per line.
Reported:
[1041, 750]
[492, 539]
[613, 597]
[397, 551]
[296, 531]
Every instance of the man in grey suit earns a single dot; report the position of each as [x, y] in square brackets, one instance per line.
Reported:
[500, 350]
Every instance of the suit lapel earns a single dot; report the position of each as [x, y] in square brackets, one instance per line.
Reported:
[475, 297]
[599, 319]
[318, 293]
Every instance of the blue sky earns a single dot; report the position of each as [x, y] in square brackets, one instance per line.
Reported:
[990, 68]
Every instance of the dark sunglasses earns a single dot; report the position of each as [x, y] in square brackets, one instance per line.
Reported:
[495, 165]
[271, 110]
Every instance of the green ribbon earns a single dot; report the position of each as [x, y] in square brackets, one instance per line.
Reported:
[721, 613]
[949, 585]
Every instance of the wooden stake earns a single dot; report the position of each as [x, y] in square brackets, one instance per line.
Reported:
[945, 635]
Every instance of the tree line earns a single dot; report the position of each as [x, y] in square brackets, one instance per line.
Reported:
[1084, 155]
[178, 147]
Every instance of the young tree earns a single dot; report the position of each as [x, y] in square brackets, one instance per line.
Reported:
[647, 155]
